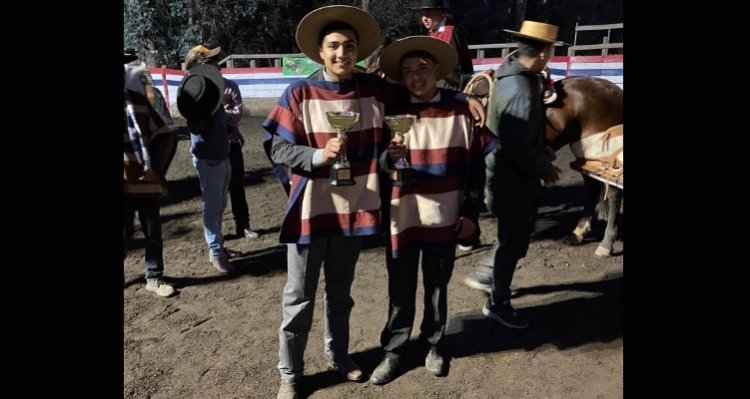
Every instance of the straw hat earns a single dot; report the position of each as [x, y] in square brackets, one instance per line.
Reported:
[538, 31]
[445, 55]
[308, 30]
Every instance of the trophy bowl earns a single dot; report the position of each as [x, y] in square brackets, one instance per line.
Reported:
[342, 121]
[400, 124]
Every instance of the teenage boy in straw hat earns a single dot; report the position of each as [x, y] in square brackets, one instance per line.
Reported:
[442, 205]
[516, 167]
[324, 224]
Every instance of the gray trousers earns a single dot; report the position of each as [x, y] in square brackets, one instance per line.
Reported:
[338, 255]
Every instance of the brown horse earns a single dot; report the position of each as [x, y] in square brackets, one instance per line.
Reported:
[588, 116]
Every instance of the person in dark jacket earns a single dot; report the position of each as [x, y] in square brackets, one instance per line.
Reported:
[516, 168]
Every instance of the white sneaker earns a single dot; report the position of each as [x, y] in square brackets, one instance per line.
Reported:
[159, 287]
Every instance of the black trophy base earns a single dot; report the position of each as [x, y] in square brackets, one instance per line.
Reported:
[402, 177]
[341, 176]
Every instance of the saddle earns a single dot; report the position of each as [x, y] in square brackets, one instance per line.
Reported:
[609, 169]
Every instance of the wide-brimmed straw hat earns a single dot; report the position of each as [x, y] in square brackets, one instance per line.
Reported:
[538, 31]
[390, 59]
[308, 30]
[200, 93]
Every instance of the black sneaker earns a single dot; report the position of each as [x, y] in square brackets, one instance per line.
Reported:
[505, 315]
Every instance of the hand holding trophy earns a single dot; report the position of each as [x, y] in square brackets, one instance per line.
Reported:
[341, 172]
[400, 125]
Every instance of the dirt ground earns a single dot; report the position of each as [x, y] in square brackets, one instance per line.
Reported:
[217, 337]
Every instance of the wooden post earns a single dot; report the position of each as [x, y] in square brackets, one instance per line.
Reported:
[605, 40]
[164, 84]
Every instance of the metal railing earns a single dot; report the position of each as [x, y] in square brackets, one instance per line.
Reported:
[505, 48]
[604, 46]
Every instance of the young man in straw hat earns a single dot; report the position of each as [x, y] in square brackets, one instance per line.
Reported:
[442, 204]
[324, 224]
[516, 168]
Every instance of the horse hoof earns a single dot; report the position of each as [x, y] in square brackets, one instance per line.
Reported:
[603, 252]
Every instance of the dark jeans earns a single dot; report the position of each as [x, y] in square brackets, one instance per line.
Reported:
[437, 267]
[237, 188]
[148, 214]
[515, 222]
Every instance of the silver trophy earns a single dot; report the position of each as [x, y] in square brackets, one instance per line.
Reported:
[341, 171]
[400, 124]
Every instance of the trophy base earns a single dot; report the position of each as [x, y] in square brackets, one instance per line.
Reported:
[341, 176]
[402, 177]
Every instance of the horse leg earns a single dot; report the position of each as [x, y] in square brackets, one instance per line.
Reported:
[614, 199]
[583, 227]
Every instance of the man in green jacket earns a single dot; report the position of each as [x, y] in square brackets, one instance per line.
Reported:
[516, 168]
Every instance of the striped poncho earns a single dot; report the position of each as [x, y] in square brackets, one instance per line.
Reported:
[446, 153]
[148, 143]
[316, 208]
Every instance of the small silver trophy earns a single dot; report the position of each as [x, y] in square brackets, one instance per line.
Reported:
[400, 124]
[341, 171]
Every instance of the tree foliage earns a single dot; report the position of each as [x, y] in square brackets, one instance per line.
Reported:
[163, 31]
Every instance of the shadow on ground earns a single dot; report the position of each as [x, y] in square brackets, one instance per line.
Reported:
[566, 321]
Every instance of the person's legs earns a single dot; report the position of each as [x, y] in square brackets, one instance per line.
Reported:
[437, 268]
[128, 215]
[481, 277]
[148, 214]
[237, 189]
[303, 271]
[213, 177]
[340, 261]
[515, 223]
[402, 291]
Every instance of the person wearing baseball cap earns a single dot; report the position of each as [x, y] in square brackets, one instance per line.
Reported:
[199, 100]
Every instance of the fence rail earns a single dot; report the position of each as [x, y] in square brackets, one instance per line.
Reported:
[604, 46]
